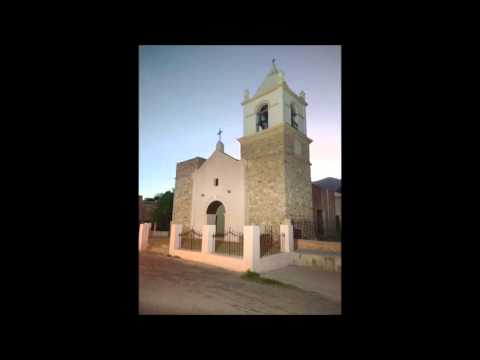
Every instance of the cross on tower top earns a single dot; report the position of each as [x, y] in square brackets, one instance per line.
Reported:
[219, 134]
[273, 61]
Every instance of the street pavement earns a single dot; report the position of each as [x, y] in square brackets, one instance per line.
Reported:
[327, 284]
[175, 286]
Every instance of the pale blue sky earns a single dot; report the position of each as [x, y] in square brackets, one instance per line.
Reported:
[188, 92]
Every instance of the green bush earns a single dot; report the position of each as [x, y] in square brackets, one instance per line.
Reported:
[162, 215]
[255, 277]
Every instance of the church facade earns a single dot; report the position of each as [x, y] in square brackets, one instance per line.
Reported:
[270, 184]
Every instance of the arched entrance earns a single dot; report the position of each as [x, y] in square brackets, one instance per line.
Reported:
[216, 216]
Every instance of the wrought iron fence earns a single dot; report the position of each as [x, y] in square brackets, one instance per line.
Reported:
[309, 230]
[305, 230]
[230, 243]
[271, 242]
[191, 240]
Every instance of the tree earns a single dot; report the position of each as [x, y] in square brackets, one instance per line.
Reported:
[162, 214]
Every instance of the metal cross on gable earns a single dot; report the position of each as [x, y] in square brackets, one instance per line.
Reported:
[219, 134]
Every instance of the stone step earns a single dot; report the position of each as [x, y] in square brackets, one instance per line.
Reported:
[325, 261]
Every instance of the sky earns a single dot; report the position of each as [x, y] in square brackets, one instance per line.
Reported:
[186, 93]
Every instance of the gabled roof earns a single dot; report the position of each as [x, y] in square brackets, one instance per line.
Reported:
[192, 159]
[217, 153]
[330, 183]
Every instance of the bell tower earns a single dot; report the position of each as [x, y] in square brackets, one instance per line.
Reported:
[275, 147]
[273, 103]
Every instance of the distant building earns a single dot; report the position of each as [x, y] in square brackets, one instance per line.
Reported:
[146, 208]
[327, 210]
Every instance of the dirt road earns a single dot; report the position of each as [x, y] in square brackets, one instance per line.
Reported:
[175, 286]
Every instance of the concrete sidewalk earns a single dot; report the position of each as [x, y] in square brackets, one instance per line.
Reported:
[327, 284]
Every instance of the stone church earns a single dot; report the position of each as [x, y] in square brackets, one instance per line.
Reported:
[270, 184]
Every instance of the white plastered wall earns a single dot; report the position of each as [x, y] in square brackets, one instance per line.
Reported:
[278, 101]
[274, 100]
[230, 173]
[288, 99]
[251, 250]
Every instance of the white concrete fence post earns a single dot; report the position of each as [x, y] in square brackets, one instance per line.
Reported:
[147, 232]
[251, 246]
[143, 234]
[140, 237]
[207, 239]
[287, 244]
[175, 231]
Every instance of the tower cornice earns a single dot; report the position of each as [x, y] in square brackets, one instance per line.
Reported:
[282, 127]
[282, 85]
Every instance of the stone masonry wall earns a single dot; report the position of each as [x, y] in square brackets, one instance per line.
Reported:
[297, 176]
[278, 183]
[182, 201]
[265, 177]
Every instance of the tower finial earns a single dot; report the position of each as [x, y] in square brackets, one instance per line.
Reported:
[220, 146]
[273, 61]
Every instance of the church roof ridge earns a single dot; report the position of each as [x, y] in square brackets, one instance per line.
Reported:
[219, 152]
[194, 158]
[223, 153]
[231, 156]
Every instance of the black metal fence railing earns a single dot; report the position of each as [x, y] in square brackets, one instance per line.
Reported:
[309, 230]
[305, 230]
[191, 240]
[271, 242]
[230, 243]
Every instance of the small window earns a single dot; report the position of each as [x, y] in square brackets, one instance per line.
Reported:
[215, 182]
